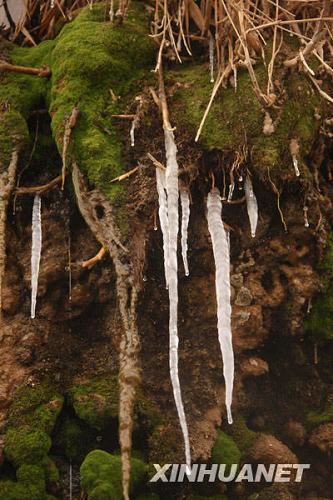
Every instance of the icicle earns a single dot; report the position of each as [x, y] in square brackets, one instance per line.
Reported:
[173, 220]
[185, 203]
[306, 220]
[231, 191]
[294, 151]
[222, 284]
[70, 480]
[132, 132]
[295, 163]
[36, 249]
[163, 216]
[252, 205]
[211, 58]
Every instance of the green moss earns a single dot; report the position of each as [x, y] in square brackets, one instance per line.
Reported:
[75, 439]
[24, 445]
[19, 95]
[316, 418]
[31, 475]
[37, 407]
[10, 490]
[96, 403]
[237, 118]
[225, 450]
[50, 470]
[241, 434]
[30, 484]
[92, 57]
[101, 475]
[320, 321]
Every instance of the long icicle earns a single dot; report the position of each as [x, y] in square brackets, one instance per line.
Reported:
[185, 204]
[172, 189]
[163, 216]
[251, 204]
[222, 284]
[173, 217]
[36, 249]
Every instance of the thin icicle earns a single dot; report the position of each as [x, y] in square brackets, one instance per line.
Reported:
[132, 132]
[185, 203]
[231, 191]
[70, 480]
[294, 151]
[173, 219]
[211, 58]
[252, 205]
[306, 220]
[163, 216]
[222, 284]
[36, 249]
[295, 163]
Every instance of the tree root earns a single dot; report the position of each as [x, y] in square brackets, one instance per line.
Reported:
[44, 71]
[105, 230]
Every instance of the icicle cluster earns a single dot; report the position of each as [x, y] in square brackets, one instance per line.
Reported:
[252, 205]
[222, 283]
[171, 178]
[185, 204]
[36, 250]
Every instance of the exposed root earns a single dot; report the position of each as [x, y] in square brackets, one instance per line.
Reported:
[39, 189]
[70, 124]
[276, 191]
[91, 203]
[88, 264]
[7, 182]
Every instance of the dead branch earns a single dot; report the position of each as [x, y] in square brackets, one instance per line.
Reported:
[44, 71]
[126, 175]
[39, 189]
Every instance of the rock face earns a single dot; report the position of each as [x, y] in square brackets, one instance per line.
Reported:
[269, 450]
[322, 438]
[283, 371]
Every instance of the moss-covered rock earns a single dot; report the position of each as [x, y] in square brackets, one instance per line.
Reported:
[75, 439]
[237, 118]
[101, 475]
[92, 59]
[30, 484]
[25, 445]
[37, 407]
[96, 403]
[225, 450]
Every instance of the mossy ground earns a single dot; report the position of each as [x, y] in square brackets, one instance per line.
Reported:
[236, 118]
[91, 62]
